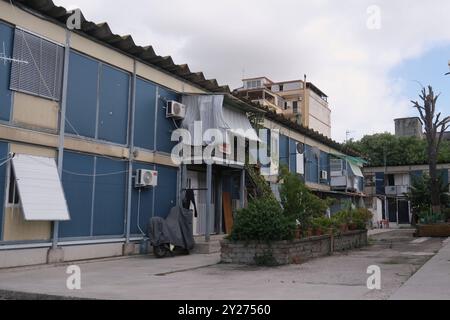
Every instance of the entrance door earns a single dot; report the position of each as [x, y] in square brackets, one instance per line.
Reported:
[403, 212]
[392, 207]
[197, 182]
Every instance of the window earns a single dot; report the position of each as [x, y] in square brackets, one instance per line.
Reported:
[295, 106]
[254, 84]
[39, 67]
[13, 195]
[281, 88]
[41, 194]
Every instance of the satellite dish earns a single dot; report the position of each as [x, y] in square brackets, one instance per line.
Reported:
[300, 148]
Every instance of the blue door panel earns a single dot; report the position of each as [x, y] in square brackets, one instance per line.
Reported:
[82, 95]
[144, 133]
[78, 187]
[114, 105]
[165, 126]
[110, 200]
[142, 207]
[325, 166]
[379, 177]
[312, 165]
[3, 175]
[293, 156]
[6, 40]
[284, 150]
[166, 191]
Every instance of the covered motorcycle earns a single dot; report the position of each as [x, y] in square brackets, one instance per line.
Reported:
[173, 233]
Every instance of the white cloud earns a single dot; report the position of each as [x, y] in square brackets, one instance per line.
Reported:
[328, 40]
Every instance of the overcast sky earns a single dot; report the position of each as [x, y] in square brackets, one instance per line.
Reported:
[365, 71]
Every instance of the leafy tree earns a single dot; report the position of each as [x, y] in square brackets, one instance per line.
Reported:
[420, 194]
[387, 149]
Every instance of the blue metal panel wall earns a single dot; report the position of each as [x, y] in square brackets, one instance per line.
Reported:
[312, 166]
[166, 191]
[379, 176]
[293, 156]
[6, 39]
[78, 187]
[444, 176]
[284, 150]
[3, 155]
[360, 184]
[144, 133]
[165, 126]
[110, 200]
[114, 104]
[325, 166]
[145, 205]
[415, 174]
[82, 95]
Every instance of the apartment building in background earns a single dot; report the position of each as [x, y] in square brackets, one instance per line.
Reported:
[299, 100]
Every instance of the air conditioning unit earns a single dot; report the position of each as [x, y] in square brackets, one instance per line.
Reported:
[146, 178]
[324, 175]
[175, 110]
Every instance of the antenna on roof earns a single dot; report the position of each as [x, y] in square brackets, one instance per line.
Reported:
[6, 59]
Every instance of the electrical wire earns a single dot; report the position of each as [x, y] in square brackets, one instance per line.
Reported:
[48, 89]
[139, 213]
[114, 173]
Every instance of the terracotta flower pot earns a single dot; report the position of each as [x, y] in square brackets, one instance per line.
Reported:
[298, 233]
[318, 232]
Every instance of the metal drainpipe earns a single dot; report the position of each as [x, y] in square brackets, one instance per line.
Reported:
[131, 153]
[62, 126]
[242, 188]
[208, 201]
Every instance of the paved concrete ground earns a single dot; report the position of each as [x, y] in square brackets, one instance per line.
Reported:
[341, 276]
[432, 282]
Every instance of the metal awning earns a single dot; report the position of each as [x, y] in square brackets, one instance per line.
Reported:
[40, 190]
[210, 111]
[356, 169]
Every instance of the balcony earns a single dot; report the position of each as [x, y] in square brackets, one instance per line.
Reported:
[396, 190]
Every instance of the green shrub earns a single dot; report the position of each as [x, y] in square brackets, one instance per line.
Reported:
[359, 218]
[429, 217]
[263, 221]
[322, 223]
[298, 201]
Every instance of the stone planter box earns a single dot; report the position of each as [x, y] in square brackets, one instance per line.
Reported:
[433, 230]
[290, 252]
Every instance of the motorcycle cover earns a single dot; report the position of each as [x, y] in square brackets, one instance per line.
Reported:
[177, 229]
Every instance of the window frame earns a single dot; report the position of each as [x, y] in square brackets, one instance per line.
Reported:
[58, 67]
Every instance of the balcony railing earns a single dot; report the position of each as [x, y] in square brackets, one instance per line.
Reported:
[396, 190]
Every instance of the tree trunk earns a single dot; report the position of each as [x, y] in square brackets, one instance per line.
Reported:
[434, 181]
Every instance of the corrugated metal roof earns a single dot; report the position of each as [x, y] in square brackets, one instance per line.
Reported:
[101, 32]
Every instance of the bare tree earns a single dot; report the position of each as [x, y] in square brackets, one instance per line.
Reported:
[435, 127]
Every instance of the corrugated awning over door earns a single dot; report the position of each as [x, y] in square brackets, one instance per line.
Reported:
[40, 189]
[210, 111]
